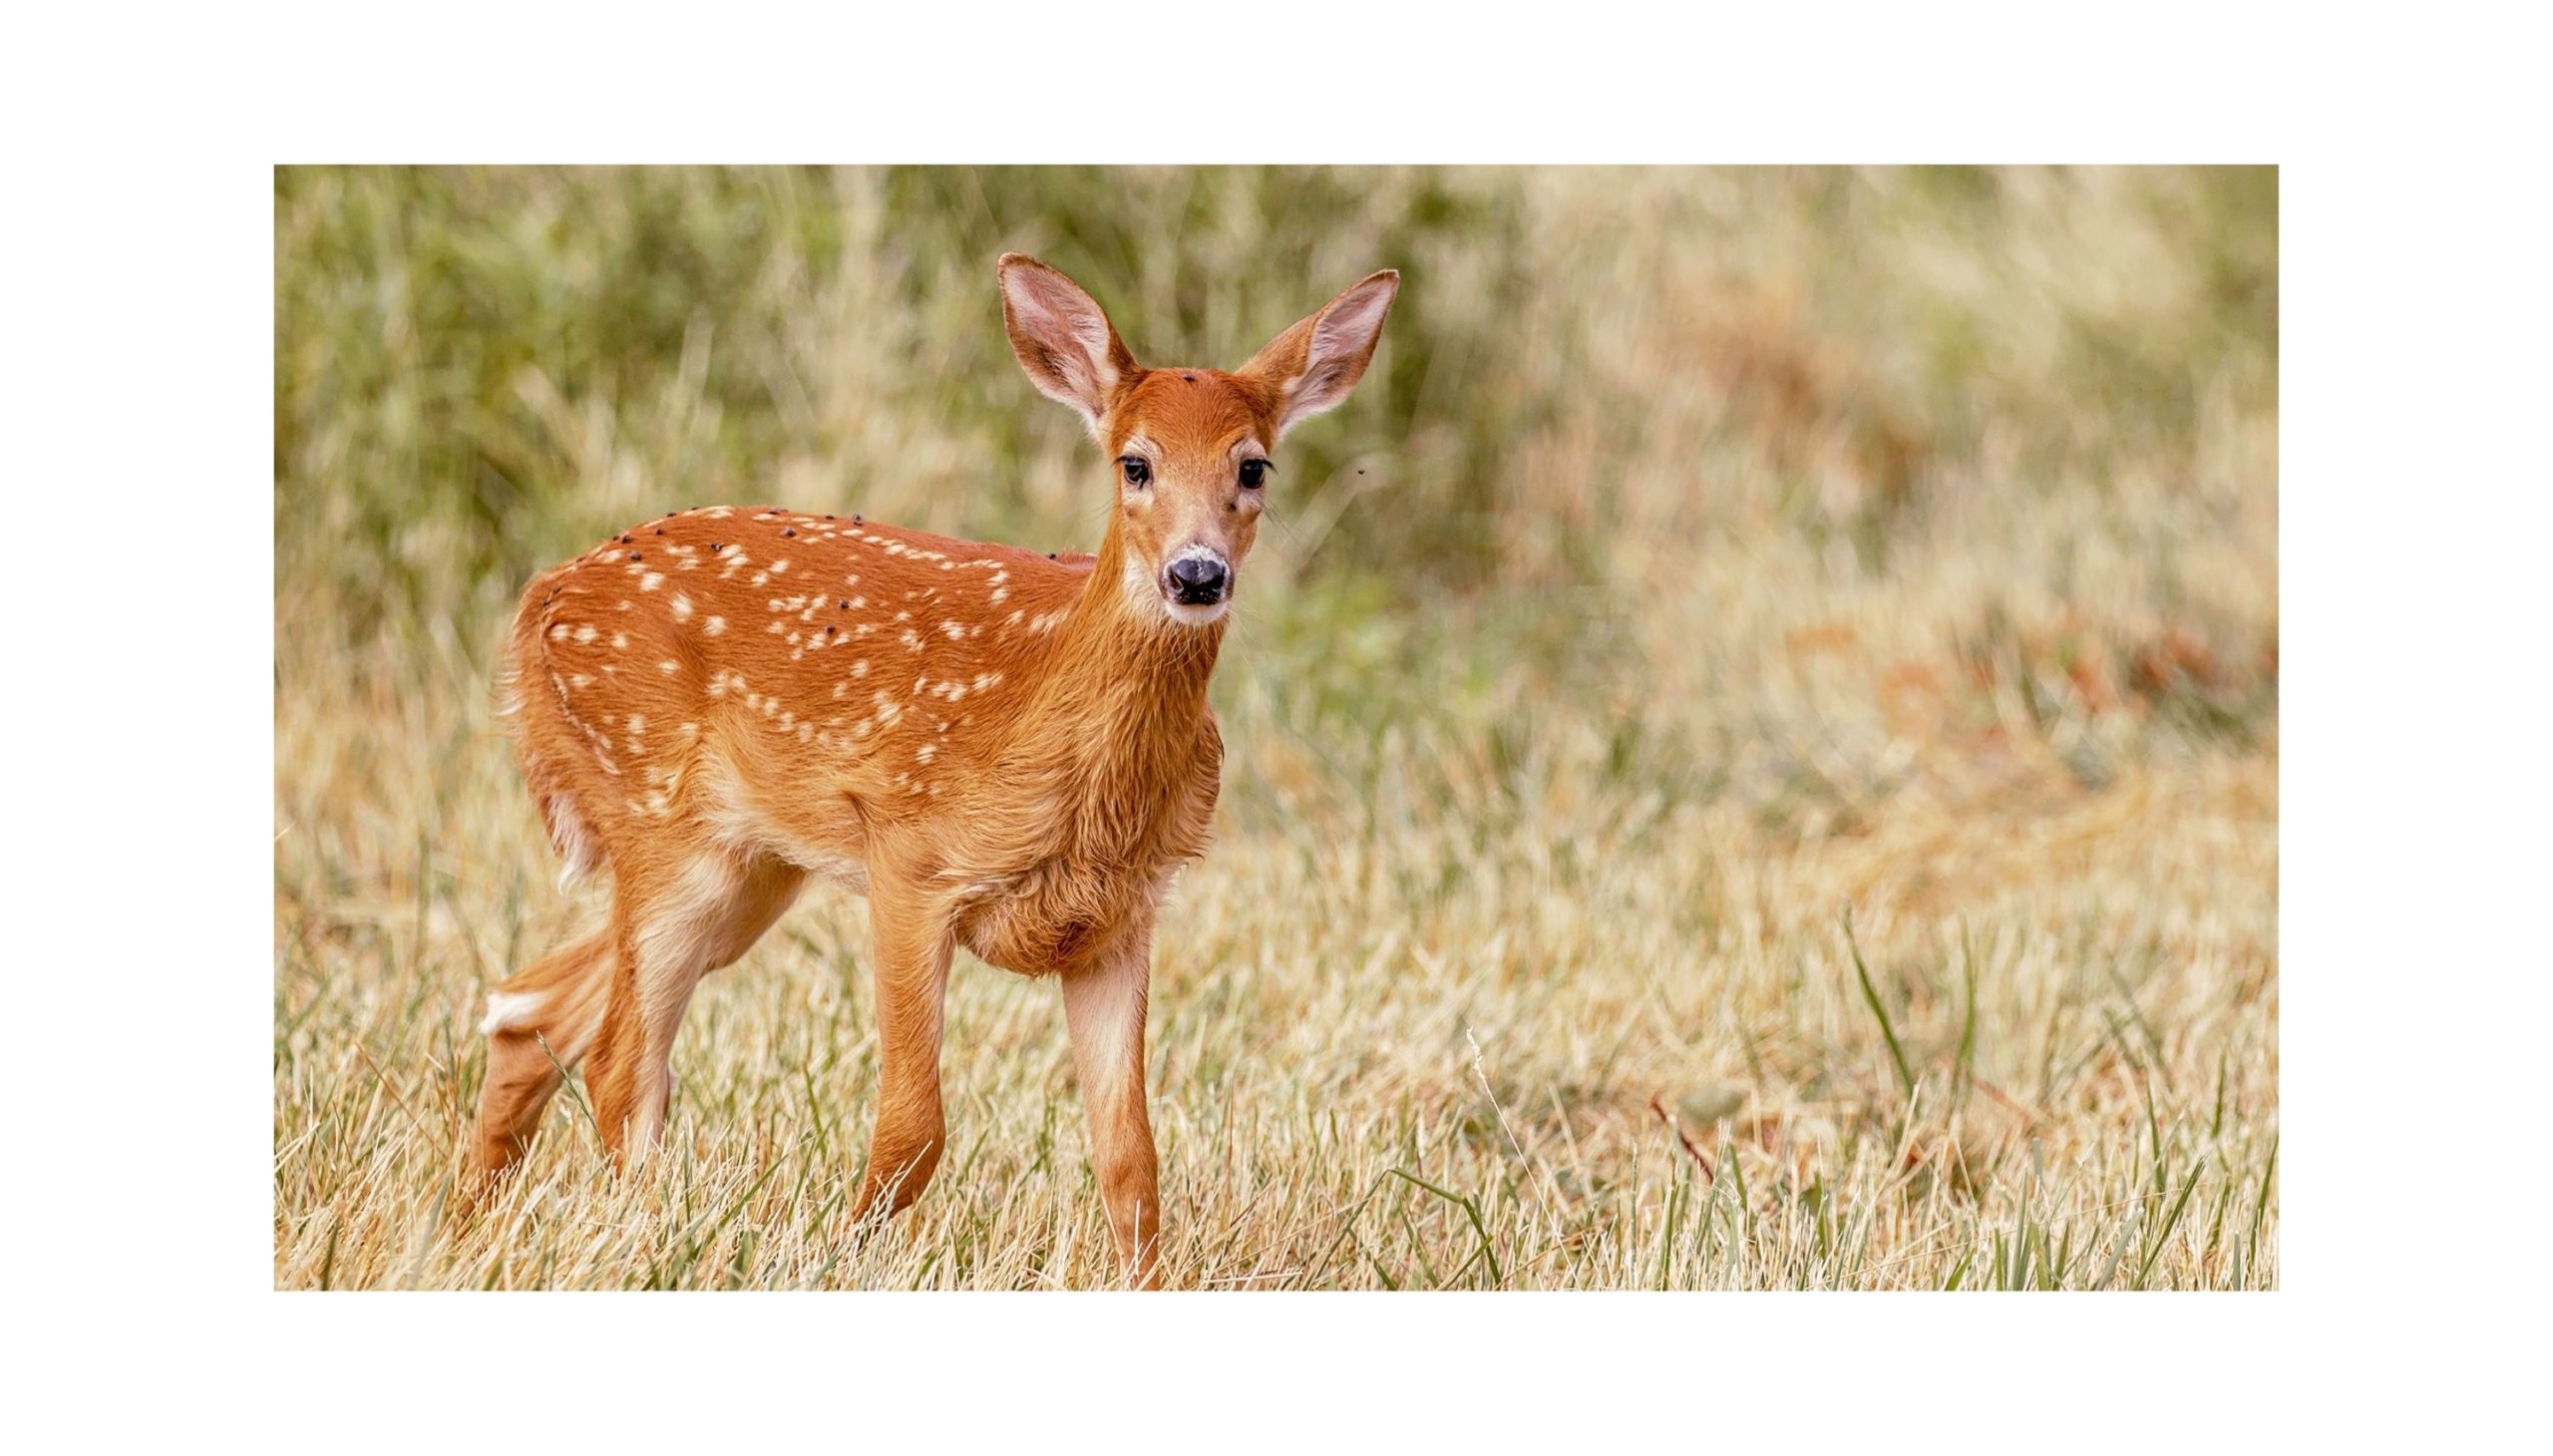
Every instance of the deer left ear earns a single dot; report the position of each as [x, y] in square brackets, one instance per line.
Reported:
[1063, 340]
[1314, 364]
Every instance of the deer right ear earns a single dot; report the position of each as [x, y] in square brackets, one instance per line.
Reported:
[1316, 363]
[1063, 340]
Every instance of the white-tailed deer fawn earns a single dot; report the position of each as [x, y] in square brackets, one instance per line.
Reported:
[1002, 749]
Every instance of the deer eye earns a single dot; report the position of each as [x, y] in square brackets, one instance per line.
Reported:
[1254, 474]
[1137, 472]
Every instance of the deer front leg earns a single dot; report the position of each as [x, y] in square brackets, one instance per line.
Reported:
[1104, 1009]
[911, 977]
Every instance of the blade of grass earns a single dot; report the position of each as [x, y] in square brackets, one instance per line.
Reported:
[1870, 995]
[1470, 1209]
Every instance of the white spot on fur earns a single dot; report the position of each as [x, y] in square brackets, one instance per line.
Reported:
[509, 1009]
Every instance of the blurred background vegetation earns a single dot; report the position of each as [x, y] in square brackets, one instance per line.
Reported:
[1631, 431]
[1711, 555]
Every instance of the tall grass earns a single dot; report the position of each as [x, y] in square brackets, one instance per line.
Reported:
[1752, 749]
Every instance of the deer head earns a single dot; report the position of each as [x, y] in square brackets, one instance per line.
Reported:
[1189, 448]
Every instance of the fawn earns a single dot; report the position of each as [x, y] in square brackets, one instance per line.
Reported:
[1002, 749]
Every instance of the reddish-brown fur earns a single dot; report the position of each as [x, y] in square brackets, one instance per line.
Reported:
[1003, 750]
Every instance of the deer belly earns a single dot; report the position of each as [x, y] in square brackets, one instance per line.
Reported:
[1048, 923]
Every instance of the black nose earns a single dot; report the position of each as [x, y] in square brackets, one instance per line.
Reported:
[1198, 580]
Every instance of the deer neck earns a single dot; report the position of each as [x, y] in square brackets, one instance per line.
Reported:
[1115, 727]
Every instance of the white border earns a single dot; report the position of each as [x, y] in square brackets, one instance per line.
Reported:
[139, 244]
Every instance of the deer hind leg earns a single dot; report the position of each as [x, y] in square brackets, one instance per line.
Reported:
[540, 1024]
[669, 931]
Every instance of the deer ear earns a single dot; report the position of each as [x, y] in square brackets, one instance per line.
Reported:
[1062, 338]
[1314, 364]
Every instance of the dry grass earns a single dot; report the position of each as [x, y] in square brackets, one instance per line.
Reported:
[1753, 762]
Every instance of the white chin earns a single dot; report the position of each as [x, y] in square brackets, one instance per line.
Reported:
[1189, 613]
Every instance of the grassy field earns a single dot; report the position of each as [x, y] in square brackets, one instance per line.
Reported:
[1751, 746]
